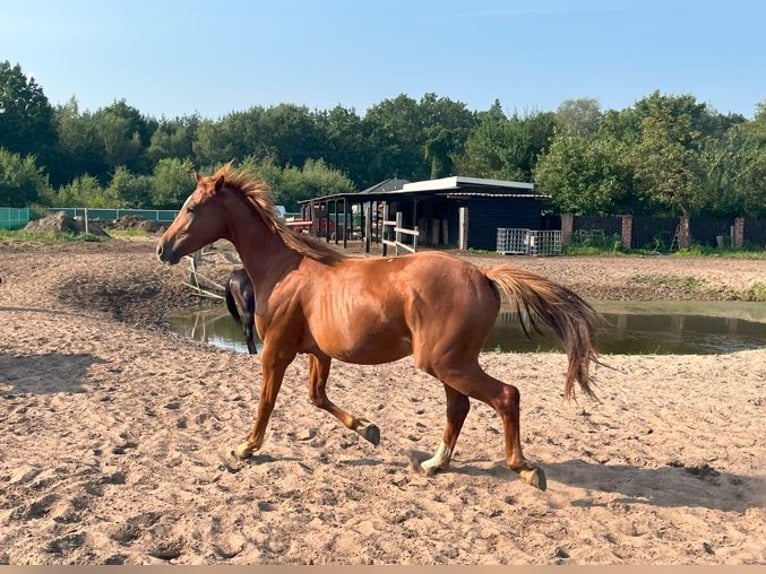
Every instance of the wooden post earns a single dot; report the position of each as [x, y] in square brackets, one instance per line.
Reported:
[368, 227]
[337, 220]
[397, 235]
[385, 227]
[414, 218]
[684, 235]
[462, 242]
[626, 231]
[567, 229]
[345, 223]
[86, 221]
[738, 233]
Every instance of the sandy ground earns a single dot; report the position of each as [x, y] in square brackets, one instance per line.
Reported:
[116, 436]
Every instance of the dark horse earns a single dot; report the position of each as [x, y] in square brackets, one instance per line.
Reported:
[240, 301]
[434, 306]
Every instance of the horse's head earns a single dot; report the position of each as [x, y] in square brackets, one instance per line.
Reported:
[199, 222]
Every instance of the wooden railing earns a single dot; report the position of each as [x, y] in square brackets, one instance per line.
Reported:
[398, 231]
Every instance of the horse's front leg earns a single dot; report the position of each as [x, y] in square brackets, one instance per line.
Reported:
[319, 370]
[274, 363]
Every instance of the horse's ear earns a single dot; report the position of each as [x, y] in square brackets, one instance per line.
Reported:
[219, 183]
[196, 176]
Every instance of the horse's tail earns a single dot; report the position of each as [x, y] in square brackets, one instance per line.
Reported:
[572, 319]
[231, 304]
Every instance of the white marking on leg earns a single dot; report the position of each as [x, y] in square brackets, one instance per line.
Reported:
[439, 461]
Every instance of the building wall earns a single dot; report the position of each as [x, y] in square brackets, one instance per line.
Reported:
[486, 215]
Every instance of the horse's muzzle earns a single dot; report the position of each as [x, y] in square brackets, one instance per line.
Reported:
[166, 254]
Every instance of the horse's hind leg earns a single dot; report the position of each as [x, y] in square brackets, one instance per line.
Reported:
[504, 398]
[458, 406]
[319, 370]
[248, 320]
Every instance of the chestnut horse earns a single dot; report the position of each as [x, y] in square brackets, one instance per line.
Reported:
[240, 301]
[313, 299]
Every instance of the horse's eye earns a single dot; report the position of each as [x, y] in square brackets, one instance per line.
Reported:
[190, 208]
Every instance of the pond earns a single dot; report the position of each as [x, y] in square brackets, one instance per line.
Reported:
[662, 328]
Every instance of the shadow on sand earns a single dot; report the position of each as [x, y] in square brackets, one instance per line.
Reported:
[667, 486]
[45, 373]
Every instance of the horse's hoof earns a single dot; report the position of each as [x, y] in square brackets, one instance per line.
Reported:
[371, 433]
[534, 476]
[243, 451]
[425, 469]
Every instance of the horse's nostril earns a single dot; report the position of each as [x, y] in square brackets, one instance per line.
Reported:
[159, 250]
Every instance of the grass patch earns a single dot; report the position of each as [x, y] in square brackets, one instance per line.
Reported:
[48, 236]
[127, 233]
[756, 292]
[682, 283]
[590, 250]
[701, 251]
[584, 243]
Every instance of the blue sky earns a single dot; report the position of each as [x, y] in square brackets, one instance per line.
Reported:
[169, 57]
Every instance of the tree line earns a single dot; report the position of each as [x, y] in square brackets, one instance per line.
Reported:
[665, 155]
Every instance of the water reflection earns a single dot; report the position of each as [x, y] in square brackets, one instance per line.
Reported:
[644, 334]
[632, 333]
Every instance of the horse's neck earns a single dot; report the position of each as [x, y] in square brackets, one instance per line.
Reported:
[264, 255]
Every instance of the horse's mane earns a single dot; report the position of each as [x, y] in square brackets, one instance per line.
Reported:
[257, 195]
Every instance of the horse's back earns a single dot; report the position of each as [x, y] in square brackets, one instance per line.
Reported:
[381, 309]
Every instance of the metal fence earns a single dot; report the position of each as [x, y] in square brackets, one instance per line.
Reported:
[514, 241]
[161, 215]
[601, 225]
[14, 217]
[653, 232]
[755, 232]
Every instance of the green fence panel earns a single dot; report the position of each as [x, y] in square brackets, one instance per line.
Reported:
[14, 217]
[161, 215]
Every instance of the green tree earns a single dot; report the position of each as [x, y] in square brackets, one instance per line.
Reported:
[124, 134]
[79, 150]
[292, 134]
[26, 116]
[507, 148]
[579, 116]
[210, 146]
[584, 176]
[290, 185]
[394, 127]
[173, 138]
[233, 138]
[668, 159]
[172, 182]
[22, 181]
[345, 145]
[84, 191]
[130, 190]
[738, 168]
[446, 127]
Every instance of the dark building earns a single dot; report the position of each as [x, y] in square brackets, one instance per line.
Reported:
[456, 212]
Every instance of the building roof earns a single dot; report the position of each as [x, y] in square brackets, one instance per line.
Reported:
[387, 185]
[454, 186]
[458, 181]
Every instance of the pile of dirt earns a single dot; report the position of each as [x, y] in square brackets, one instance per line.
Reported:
[62, 222]
[135, 222]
